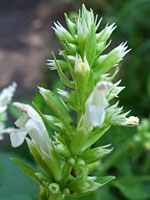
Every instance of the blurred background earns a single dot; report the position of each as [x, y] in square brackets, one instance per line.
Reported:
[26, 42]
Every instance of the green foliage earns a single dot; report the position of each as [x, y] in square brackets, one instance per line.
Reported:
[14, 184]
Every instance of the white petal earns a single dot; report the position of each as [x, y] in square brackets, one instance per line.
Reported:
[2, 108]
[38, 133]
[22, 121]
[33, 113]
[17, 136]
[98, 96]
[100, 99]
[96, 115]
[7, 94]
[27, 109]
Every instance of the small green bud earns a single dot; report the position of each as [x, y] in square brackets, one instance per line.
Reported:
[55, 104]
[105, 62]
[71, 161]
[83, 186]
[54, 188]
[66, 191]
[82, 73]
[61, 149]
[62, 33]
[95, 154]
[80, 162]
[81, 67]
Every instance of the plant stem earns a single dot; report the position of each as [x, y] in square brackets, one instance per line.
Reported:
[56, 197]
[66, 173]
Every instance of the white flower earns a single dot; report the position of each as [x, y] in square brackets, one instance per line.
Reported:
[95, 107]
[96, 104]
[29, 123]
[132, 121]
[6, 96]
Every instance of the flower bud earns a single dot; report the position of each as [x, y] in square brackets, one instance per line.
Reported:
[66, 191]
[83, 186]
[81, 68]
[71, 161]
[105, 62]
[82, 73]
[55, 104]
[61, 149]
[95, 154]
[132, 121]
[54, 188]
[62, 33]
[80, 162]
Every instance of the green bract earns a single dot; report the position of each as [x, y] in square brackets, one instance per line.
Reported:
[68, 157]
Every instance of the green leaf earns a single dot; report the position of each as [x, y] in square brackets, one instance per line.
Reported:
[133, 187]
[55, 104]
[28, 170]
[63, 77]
[54, 122]
[90, 46]
[105, 179]
[15, 185]
[95, 154]
[71, 26]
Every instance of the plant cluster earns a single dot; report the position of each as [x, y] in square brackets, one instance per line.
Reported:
[67, 158]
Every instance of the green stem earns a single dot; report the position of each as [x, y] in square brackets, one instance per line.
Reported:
[56, 197]
[65, 173]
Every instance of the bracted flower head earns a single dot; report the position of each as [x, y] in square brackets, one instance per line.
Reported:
[84, 65]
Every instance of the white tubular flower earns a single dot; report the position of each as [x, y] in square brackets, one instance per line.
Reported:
[132, 121]
[6, 96]
[95, 105]
[29, 123]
